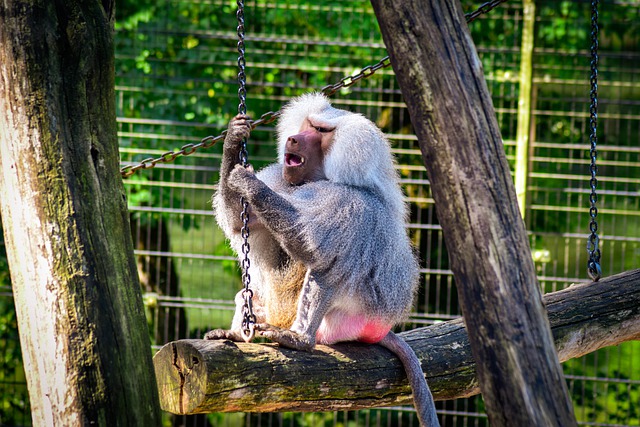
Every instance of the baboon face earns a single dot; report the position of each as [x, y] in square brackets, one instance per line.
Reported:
[305, 152]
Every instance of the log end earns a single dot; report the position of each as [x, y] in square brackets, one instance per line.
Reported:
[181, 374]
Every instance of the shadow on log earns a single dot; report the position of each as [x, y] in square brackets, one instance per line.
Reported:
[197, 376]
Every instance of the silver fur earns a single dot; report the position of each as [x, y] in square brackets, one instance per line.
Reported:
[346, 231]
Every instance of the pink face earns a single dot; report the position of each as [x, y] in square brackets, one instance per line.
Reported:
[305, 151]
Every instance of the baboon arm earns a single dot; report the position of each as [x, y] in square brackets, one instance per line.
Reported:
[273, 211]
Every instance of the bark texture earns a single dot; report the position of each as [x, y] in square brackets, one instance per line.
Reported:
[197, 376]
[441, 79]
[82, 328]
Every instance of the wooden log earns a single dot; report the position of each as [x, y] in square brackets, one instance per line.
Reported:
[442, 83]
[197, 376]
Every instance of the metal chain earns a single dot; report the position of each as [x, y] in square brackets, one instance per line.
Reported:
[347, 81]
[486, 7]
[593, 242]
[248, 317]
[271, 116]
[170, 156]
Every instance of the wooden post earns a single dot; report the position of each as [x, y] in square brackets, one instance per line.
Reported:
[83, 334]
[523, 130]
[441, 78]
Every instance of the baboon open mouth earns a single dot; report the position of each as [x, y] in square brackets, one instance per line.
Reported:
[291, 159]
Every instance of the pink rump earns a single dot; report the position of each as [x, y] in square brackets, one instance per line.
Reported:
[338, 327]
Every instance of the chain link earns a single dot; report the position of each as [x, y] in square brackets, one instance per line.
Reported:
[593, 243]
[170, 156]
[248, 317]
[271, 116]
[242, 77]
[484, 8]
[347, 81]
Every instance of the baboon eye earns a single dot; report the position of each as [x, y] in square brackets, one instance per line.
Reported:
[322, 129]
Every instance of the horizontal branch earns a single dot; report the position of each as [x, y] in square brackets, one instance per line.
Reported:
[197, 376]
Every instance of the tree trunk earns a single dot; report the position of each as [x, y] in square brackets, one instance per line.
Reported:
[82, 329]
[196, 376]
[441, 79]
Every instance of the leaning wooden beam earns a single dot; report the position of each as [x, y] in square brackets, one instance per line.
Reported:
[197, 376]
[440, 74]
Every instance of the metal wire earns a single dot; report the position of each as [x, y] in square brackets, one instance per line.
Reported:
[593, 242]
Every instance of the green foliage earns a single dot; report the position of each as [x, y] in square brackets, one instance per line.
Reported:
[14, 398]
[559, 27]
[177, 62]
[365, 417]
[610, 402]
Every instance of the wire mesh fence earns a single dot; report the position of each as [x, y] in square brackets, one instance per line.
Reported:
[175, 84]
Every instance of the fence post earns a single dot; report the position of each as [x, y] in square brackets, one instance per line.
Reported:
[524, 104]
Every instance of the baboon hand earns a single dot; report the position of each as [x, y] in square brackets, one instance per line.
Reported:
[239, 128]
